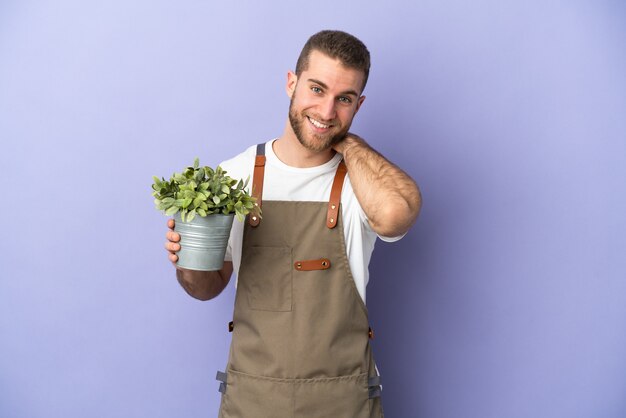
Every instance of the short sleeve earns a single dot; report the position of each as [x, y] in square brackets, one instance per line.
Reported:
[228, 256]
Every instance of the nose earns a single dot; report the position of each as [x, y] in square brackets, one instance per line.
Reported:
[327, 109]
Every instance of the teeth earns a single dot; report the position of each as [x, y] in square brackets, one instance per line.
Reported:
[318, 124]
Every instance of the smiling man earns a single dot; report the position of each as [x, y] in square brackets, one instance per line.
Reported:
[330, 119]
[300, 343]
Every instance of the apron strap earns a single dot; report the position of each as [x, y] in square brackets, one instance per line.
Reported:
[308, 265]
[375, 389]
[257, 181]
[374, 381]
[375, 392]
[222, 377]
[335, 195]
[257, 188]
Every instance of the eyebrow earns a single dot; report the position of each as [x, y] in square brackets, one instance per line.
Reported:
[350, 92]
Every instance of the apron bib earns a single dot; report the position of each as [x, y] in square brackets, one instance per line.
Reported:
[300, 346]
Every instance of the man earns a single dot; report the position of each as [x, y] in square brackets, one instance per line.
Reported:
[300, 345]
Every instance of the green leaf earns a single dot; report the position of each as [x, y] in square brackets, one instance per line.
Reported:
[198, 191]
[171, 211]
[198, 200]
[163, 206]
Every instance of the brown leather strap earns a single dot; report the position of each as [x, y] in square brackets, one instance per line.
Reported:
[257, 182]
[308, 265]
[335, 195]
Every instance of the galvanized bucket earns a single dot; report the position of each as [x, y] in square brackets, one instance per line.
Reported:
[203, 241]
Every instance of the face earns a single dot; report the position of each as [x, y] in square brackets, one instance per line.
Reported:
[324, 100]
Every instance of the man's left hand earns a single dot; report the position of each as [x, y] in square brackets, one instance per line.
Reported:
[349, 140]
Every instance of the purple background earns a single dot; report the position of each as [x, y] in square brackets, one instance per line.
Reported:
[506, 300]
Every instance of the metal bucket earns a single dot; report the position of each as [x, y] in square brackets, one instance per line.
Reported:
[203, 241]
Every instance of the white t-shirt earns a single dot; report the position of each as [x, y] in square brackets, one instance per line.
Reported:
[283, 182]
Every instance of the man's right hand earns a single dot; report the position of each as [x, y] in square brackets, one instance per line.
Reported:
[203, 285]
[172, 244]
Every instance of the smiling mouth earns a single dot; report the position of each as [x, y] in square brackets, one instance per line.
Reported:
[318, 124]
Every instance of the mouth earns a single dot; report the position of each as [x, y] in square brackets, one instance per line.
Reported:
[319, 126]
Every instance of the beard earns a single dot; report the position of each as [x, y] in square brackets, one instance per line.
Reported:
[317, 142]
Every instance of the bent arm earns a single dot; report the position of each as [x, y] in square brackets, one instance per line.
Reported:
[204, 285]
[390, 198]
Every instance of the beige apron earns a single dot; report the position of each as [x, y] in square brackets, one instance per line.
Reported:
[300, 346]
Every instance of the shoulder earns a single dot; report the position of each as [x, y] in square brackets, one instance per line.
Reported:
[239, 159]
[241, 165]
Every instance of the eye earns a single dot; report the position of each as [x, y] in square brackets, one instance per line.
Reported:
[316, 89]
[345, 99]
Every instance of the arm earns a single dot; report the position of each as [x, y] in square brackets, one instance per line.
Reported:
[202, 285]
[389, 197]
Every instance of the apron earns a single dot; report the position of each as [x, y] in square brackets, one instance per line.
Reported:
[300, 346]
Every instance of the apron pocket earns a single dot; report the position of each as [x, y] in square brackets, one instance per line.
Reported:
[266, 274]
[254, 396]
[249, 396]
[337, 397]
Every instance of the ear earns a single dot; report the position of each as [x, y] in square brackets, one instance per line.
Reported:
[359, 103]
[292, 80]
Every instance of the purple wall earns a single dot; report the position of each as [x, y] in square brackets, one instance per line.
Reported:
[507, 299]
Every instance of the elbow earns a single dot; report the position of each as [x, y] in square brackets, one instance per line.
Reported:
[201, 295]
[396, 218]
[198, 295]
[190, 289]
[199, 285]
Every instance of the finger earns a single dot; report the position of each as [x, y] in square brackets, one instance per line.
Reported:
[173, 236]
[170, 223]
[172, 247]
[173, 258]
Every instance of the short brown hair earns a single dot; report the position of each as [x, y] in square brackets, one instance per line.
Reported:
[338, 45]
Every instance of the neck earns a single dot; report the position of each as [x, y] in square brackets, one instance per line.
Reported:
[291, 152]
